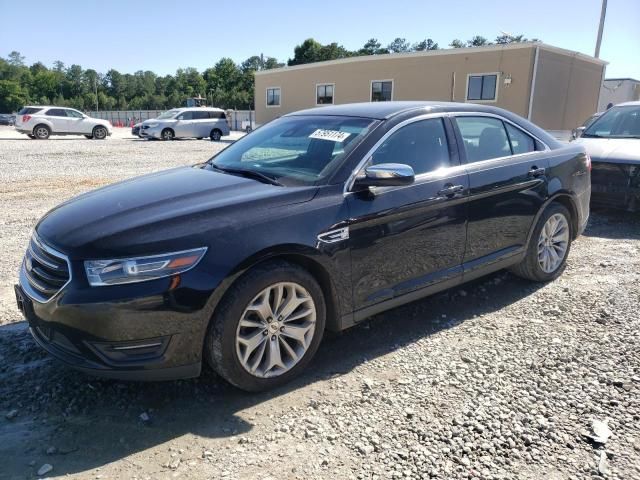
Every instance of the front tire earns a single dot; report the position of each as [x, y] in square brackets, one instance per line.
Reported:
[100, 132]
[215, 135]
[41, 132]
[548, 247]
[267, 328]
[167, 134]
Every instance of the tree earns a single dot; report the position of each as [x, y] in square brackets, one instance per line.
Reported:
[15, 59]
[506, 38]
[426, 44]
[12, 96]
[399, 45]
[457, 43]
[307, 52]
[478, 41]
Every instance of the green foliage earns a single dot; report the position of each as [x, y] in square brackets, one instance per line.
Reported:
[226, 84]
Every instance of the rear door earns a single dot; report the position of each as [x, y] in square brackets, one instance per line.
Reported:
[404, 239]
[508, 185]
[59, 120]
[202, 123]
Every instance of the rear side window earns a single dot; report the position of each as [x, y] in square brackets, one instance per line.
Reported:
[421, 145]
[29, 111]
[217, 115]
[200, 115]
[484, 138]
[56, 112]
[520, 141]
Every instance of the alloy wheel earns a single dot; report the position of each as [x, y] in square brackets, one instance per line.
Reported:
[215, 136]
[276, 330]
[100, 133]
[42, 132]
[553, 243]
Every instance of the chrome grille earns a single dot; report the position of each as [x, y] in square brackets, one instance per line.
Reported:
[44, 271]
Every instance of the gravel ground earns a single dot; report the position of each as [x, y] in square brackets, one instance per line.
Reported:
[499, 379]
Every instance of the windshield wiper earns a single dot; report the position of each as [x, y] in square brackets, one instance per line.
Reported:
[591, 135]
[249, 174]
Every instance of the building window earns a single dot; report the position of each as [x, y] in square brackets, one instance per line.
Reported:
[482, 87]
[273, 97]
[381, 90]
[324, 94]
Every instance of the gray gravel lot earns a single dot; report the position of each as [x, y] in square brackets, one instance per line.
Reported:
[499, 379]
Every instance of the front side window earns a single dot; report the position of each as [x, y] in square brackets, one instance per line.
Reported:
[422, 145]
[168, 114]
[617, 122]
[74, 114]
[381, 91]
[296, 150]
[324, 94]
[484, 138]
[186, 116]
[273, 97]
[482, 87]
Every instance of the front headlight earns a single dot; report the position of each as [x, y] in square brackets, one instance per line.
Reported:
[152, 125]
[140, 269]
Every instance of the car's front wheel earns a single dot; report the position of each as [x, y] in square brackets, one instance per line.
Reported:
[100, 132]
[548, 247]
[267, 327]
[215, 135]
[167, 134]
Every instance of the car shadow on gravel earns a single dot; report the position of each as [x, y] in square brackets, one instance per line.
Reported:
[92, 422]
[613, 224]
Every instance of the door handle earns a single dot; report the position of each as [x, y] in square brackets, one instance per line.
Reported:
[536, 172]
[450, 190]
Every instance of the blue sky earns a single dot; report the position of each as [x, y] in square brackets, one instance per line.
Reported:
[164, 35]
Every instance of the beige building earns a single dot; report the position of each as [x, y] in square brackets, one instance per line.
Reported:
[555, 88]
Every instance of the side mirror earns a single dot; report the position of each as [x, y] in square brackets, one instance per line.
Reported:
[386, 175]
[577, 132]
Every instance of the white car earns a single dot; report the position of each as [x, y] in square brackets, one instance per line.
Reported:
[196, 122]
[41, 122]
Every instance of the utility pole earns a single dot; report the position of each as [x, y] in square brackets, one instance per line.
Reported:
[95, 84]
[603, 13]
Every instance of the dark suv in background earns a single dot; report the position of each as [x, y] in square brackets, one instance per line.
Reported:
[314, 221]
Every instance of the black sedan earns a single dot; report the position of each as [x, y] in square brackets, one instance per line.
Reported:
[313, 222]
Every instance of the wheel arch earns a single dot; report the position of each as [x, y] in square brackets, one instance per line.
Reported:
[566, 200]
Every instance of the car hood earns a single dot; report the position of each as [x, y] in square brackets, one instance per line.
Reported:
[149, 213]
[612, 150]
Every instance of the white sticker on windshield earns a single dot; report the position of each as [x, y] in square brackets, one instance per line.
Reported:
[333, 135]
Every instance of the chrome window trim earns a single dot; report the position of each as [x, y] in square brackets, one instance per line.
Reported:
[28, 290]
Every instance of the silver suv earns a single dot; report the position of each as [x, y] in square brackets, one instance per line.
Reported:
[198, 122]
[41, 122]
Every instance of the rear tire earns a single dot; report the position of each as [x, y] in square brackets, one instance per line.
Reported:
[548, 247]
[167, 134]
[41, 132]
[289, 335]
[215, 135]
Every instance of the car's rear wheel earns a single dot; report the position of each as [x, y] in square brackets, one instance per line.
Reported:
[167, 134]
[267, 327]
[548, 247]
[41, 132]
[100, 132]
[215, 135]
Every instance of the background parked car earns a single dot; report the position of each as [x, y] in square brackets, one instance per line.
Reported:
[41, 122]
[7, 119]
[576, 132]
[135, 130]
[613, 141]
[197, 122]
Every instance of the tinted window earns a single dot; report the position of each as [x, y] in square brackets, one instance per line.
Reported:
[56, 112]
[421, 145]
[484, 138]
[28, 110]
[381, 91]
[73, 114]
[185, 116]
[200, 115]
[217, 115]
[482, 87]
[324, 94]
[273, 97]
[520, 141]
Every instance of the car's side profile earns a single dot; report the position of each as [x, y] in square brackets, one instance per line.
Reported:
[195, 122]
[40, 122]
[313, 222]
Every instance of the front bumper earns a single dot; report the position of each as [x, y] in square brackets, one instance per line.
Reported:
[156, 335]
[151, 132]
[616, 185]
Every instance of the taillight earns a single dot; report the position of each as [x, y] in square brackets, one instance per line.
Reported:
[26, 118]
[588, 161]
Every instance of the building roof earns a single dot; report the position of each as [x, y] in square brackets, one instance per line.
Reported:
[621, 80]
[430, 53]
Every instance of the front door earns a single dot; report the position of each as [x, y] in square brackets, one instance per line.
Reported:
[184, 126]
[407, 238]
[77, 123]
[508, 185]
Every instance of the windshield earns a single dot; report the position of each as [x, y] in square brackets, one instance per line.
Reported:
[296, 150]
[618, 122]
[168, 114]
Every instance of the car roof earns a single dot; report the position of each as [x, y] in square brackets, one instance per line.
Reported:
[184, 109]
[627, 104]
